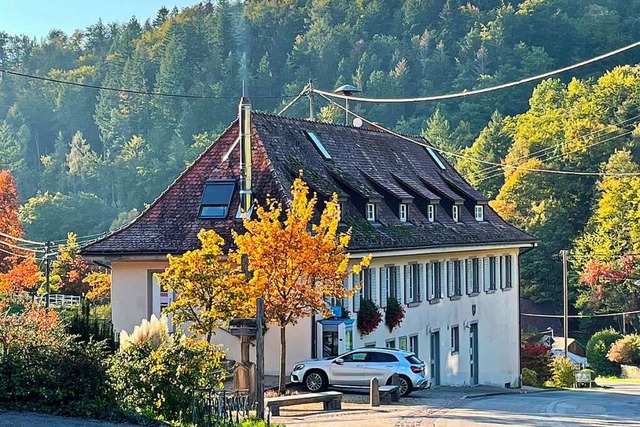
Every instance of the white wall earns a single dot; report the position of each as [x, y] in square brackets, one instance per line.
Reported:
[496, 315]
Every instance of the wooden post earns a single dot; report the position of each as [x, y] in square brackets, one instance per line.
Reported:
[374, 393]
[260, 358]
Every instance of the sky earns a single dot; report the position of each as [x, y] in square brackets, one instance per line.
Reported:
[36, 18]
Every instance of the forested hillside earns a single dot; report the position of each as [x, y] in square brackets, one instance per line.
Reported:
[88, 159]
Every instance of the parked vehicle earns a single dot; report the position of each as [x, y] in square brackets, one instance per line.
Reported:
[356, 368]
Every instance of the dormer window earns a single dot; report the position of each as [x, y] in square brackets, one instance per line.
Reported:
[371, 212]
[479, 213]
[455, 213]
[431, 213]
[216, 198]
[403, 212]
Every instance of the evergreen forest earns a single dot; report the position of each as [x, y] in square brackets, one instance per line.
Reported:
[89, 160]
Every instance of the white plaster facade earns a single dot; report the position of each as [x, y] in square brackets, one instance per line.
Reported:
[135, 295]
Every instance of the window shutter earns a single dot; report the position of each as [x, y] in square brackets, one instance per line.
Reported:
[384, 286]
[463, 276]
[443, 277]
[407, 284]
[450, 278]
[347, 301]
[355, 280]
[487, 273]
[430, 285]
[374, 285]
[469, 265]
[398, 294]
[421, 282]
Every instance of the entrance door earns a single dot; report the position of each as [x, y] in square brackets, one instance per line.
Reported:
[473, 353]
[435, 358]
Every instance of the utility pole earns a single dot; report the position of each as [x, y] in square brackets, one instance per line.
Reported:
[260, 358]
[312, 114]
[47, 250]
[565, 297]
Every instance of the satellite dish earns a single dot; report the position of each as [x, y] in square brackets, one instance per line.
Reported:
[357, 122]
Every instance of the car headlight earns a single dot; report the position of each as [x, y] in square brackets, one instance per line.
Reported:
[298, 367]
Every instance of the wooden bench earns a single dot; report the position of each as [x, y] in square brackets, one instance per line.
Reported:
[332, 401]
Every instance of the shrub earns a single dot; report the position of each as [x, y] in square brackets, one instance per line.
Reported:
[529, 377]
[598, 347]
[537, 357]
[394, 313]
[156, 375]
[563, 373]
[369, 317]
[43, 368]
[626, 350]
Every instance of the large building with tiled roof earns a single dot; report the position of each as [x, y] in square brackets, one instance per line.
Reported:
[437, 245]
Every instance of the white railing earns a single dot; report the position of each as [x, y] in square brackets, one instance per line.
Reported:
[59, 299]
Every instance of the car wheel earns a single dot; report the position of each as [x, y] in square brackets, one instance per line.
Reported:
[315, 381]
[405, 386]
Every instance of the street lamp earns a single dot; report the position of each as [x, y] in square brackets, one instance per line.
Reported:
[346, 90]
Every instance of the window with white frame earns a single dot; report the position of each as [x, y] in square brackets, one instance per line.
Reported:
[403, 212]
[412, 279]
[508, 272]
[431, 213]
[455, 339]
[473, 276]
[366, 279]
[371, 211]
[435, 279]
[341, 210]
[493, 272]
[389, 284]
[458, 275]
[479, 213]
[413, 344]
[455, 213]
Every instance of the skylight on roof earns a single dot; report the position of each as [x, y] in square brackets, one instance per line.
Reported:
[216, 198]
[316, 141]
[435, 157]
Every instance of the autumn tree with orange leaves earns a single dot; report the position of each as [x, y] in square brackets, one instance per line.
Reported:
[295, 264]
[18, 269]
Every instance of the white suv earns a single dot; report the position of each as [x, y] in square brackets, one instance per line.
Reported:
[356, 368]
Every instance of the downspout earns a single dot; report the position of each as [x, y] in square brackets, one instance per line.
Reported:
[244, 119]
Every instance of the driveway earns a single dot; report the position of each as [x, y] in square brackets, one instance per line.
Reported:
[618, 406]
[30, 419]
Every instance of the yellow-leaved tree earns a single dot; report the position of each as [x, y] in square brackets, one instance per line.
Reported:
[295, 264]
[210, 289]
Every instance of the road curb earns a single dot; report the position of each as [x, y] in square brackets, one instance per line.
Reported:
[503, 393]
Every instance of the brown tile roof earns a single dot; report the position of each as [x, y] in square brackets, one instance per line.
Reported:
[366, 166]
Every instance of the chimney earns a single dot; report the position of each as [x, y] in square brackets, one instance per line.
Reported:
[244, 119]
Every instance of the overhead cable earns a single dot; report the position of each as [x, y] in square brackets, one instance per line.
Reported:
[460, 156]
[18, 239]
[483, 90]
[124, 90]
[581, 316]
[20, 247]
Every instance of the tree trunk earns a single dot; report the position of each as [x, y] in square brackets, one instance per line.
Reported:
[283, 360]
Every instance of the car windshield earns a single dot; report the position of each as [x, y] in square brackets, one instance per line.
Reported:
[414, 360]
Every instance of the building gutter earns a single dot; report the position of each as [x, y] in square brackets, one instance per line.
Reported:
[444, 249]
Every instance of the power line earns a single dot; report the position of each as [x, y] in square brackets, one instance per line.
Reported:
[124, 90]
[18, 239]
[484, 90]
[441, 151]
[498, 173]
[581, 316]
[20, 255]
[491, 169]
[20, 247]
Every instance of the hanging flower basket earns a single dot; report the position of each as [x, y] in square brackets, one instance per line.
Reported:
[369, 317]
[394, 313]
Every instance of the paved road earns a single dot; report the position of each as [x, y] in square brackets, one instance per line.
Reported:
[619, 406]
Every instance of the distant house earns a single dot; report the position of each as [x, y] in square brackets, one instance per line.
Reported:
[437, 246]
